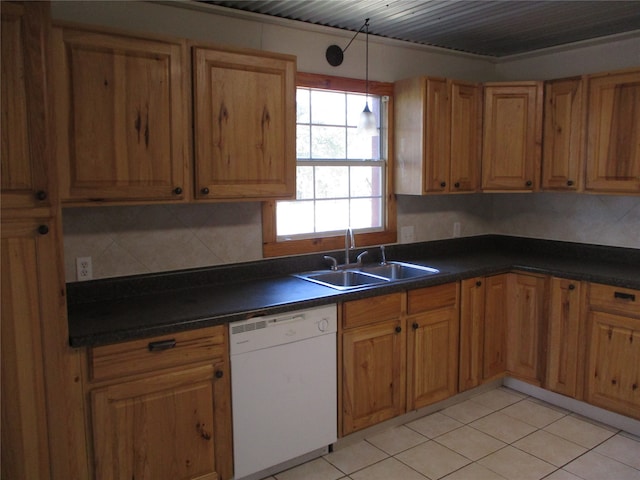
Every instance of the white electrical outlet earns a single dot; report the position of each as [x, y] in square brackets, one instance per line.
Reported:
[456, 229]
[84, 269]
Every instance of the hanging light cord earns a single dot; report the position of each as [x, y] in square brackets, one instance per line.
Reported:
[366, 25]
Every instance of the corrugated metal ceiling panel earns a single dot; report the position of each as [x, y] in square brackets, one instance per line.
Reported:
[488, 27]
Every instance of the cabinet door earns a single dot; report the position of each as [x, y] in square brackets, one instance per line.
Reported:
[564, 124]
[466, 136]
[613, 372]
[472, 312]
[373, 379]
[26, 155]
[244, 125]
[432, 370]
[437, 136]
[564, 346]
[121, 117]
[613, 145]
[25, 253]
[526, 327]
[512, 136]
[159, 427]
[495, 327]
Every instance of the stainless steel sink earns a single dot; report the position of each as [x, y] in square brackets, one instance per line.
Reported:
[342, 279]
[399, 270]
[367, 275]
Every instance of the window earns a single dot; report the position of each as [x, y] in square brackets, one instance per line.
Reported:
[343, 177]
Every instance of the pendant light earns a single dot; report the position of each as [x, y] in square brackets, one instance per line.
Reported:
[367, 124]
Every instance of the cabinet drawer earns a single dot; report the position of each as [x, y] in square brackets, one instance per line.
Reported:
[607, 297]
[171, 350]
[432, 298]
[371, 310]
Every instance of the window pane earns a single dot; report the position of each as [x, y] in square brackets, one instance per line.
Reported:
[366, 213]
[294, 218]
[332, 215]
[304, 183]
[329, 108]
[355, 106]
[362, 147]
[366, 181]
[332, 182]
[303, 141]
[303, 105]
[328, 142]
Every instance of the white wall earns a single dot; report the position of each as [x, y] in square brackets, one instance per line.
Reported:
[131, 240]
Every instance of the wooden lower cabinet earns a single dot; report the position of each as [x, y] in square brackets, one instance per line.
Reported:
[565, 341]
[168, 423]
[472, 306]
[526, 326]
[432, 339]
[613, 364]
[388, 368]
[494, 359]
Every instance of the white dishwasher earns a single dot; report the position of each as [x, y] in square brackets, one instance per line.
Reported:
[284, 388]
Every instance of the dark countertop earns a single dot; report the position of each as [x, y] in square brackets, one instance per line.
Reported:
[120, 309]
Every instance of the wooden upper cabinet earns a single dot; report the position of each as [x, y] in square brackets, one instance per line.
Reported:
[121, 116]
[564, 124]
[437, 129]
[512, 136]
[245, 124]
[27, 176]
[613, 146]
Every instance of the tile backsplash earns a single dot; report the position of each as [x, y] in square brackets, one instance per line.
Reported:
[144, 239]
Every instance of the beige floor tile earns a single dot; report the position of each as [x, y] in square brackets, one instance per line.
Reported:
[318, 469]
[623, 449]
[389, 469]
[470, 442]
[533, 413]
[579, 431]
[594, 466]
[503, 427]
[550, 448]
[396, 440]
[434, 425]
[432, 460]
[355, 457]
[467, 411]
[515, 464]
[474, 471]
[498, 398]
[562, 475]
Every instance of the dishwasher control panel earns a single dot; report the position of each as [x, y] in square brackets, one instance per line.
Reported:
[268, 331]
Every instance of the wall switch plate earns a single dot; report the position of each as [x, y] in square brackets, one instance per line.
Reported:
[407, 234]
[84, 269]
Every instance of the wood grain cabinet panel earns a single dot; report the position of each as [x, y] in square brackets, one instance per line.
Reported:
[613, 136]
[566, 348]
[512, 138]
[495, 327]
[244, 110]
[564, 125]
[121, 116]
[438, 134]
[613, 365]
[373, 366]
[472, 312]
[27, 173]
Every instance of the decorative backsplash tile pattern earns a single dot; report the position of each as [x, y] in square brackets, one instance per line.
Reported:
[143, 239]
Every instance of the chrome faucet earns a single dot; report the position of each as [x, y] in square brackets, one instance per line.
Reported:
[349, 244]
[384, 257]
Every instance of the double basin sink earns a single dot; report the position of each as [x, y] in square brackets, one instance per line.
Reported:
[366, 275]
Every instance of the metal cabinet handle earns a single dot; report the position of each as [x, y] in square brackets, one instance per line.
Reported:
[43, 229]
[161, 345]
[398, 329]
[41, 195]
[625, 296]
[177, 191]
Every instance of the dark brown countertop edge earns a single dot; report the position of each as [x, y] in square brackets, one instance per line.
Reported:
[125, 308]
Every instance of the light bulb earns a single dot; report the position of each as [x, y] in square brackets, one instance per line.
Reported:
[367, 123]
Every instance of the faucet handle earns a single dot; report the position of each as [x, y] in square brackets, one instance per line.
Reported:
[334, 262]
[359, 257]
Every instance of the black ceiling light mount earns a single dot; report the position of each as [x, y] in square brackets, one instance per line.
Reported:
[335, 54]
